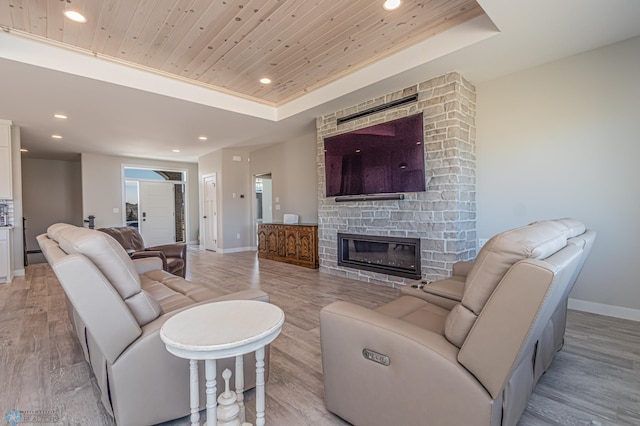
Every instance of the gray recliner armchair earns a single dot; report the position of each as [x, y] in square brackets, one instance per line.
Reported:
[470, 349]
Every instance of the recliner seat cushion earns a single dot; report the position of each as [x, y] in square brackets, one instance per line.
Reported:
[416, 311]
[174, 292]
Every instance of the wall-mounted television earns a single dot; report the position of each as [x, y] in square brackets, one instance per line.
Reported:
[380, 159]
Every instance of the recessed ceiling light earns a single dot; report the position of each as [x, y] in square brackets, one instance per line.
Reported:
[391, 4]
[56, 136]
[24, 150]
[75, 16]
[265, 81]
[60, 116]
[175, 150]
[202, 138]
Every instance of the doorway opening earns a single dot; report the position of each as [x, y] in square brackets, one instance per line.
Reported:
[210, 209]
[155, 204]
[263, 212]
[263, 198]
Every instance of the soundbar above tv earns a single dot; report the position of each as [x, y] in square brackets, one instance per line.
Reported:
[382, 159]
[370, 197]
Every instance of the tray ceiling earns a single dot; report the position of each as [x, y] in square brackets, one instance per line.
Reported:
[230, 45]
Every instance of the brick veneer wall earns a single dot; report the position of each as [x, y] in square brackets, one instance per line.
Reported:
[443, 217]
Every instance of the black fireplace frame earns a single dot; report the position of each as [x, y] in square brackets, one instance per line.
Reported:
[343, 255]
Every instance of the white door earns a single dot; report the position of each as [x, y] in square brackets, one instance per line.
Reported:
[210, 213]
[156, 213]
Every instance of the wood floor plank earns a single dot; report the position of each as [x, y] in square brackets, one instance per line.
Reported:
[76, 397]
[594, 380]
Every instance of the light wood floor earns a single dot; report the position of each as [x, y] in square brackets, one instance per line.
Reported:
[594, 380]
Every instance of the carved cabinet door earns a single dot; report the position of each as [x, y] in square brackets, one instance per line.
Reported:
[262, 240]
[291, 242]
[282, 242]
[307, 244]
[272, 241]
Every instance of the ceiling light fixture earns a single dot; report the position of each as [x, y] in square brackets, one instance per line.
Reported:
[391, 4]
[175, 150]
[60, 116]
[75, 16]
[56, 136]
[265, 80]
[202, 138]
[24, 150]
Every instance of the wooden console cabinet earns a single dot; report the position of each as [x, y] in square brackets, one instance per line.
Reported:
[296, 244]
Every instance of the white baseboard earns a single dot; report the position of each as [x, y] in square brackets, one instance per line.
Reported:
[234, 250]
[18, 273]
[602, 309]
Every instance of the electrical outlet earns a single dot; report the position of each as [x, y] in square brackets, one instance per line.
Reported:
[481, 242]
[238, 236]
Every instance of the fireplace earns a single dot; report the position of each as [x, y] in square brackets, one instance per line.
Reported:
[443, 217]
[385, 255]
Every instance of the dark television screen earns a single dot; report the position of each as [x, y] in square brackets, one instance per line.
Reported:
[384, 158]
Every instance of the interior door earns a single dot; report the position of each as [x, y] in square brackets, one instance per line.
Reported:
[210, 213]
[156, 214]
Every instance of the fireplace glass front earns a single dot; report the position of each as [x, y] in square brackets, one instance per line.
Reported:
[386, 255]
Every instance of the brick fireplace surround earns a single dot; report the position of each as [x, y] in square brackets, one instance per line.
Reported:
[443, 217]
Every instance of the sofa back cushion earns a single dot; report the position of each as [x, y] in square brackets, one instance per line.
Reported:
[536, 241]
[53, 231]
[106, 254]
[114, 263]
[568, 226]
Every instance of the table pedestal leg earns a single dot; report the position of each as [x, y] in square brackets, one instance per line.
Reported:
[260, 387]
[194, 392]
[210, 375]
[240, 385]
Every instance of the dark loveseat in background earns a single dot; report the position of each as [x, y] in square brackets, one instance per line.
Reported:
[174, 256]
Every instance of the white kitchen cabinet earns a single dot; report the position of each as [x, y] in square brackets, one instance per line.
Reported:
[6, 264]
[6, 187]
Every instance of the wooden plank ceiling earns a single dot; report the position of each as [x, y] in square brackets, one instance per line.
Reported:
[230, 45]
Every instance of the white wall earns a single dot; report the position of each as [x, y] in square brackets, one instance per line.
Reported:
[561, 140]
[102, 187]
[293, 166]
[233, 184]
[51, 193]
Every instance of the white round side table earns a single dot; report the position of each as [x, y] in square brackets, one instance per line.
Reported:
[222, 330]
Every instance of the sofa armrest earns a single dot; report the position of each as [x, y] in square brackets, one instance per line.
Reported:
[444, 293]
[423, 372]
[150, 254]
[171, 250]
[146, 264]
